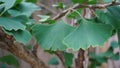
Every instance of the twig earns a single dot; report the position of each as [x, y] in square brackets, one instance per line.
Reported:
[96, 6]
[60, 56]
[34, 51]
[3, 46]
[47, 8]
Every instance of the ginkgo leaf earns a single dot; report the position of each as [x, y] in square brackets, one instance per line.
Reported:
[9, 59]
[25, 8]
[8, 4]
[108, 18]
[10, 24]
[51, 36]
[88, 34]
[22, 36]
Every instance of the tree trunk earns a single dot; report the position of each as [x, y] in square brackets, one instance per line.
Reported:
[80, 59]
[8, 43]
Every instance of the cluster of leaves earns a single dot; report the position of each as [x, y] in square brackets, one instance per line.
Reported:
[93, 32]
[98, 59]
[16, 21]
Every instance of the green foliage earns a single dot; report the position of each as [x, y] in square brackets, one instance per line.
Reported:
[108, 18]
[115, 11]
[98, 59]
[59, 5]
[114, 44]
[54, 35]
[22, 36]
[111, 16]
[68, 59]
[50, 37]
[74, 14]
[115, 56]
[7, 4]
[43, 18]
[46, 19]
[10, 24]
[88, 33]
[24, 8]
[118, 33]
[9, 59]
[2, 65]
[53, 61]
[17, 2]
[33, 1]
[29, 47]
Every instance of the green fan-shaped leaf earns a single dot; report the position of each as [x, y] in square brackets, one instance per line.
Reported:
[88, 34]
[9, 59]
[8, 4]
[10, 24]
[115, 11]
[51, 36]
[25, 8]
[108, 18]
[111, 16]
[22, 18]
[22, 36]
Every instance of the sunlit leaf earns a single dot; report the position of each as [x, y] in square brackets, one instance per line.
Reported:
[50, 37]
[88, 34]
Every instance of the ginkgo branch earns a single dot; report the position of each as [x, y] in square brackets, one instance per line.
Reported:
[76, 6]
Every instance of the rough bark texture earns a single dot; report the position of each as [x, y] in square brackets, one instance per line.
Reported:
[7, 43]
[80, 59]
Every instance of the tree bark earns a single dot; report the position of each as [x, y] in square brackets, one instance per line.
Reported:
[80, 59]
[7, 43]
